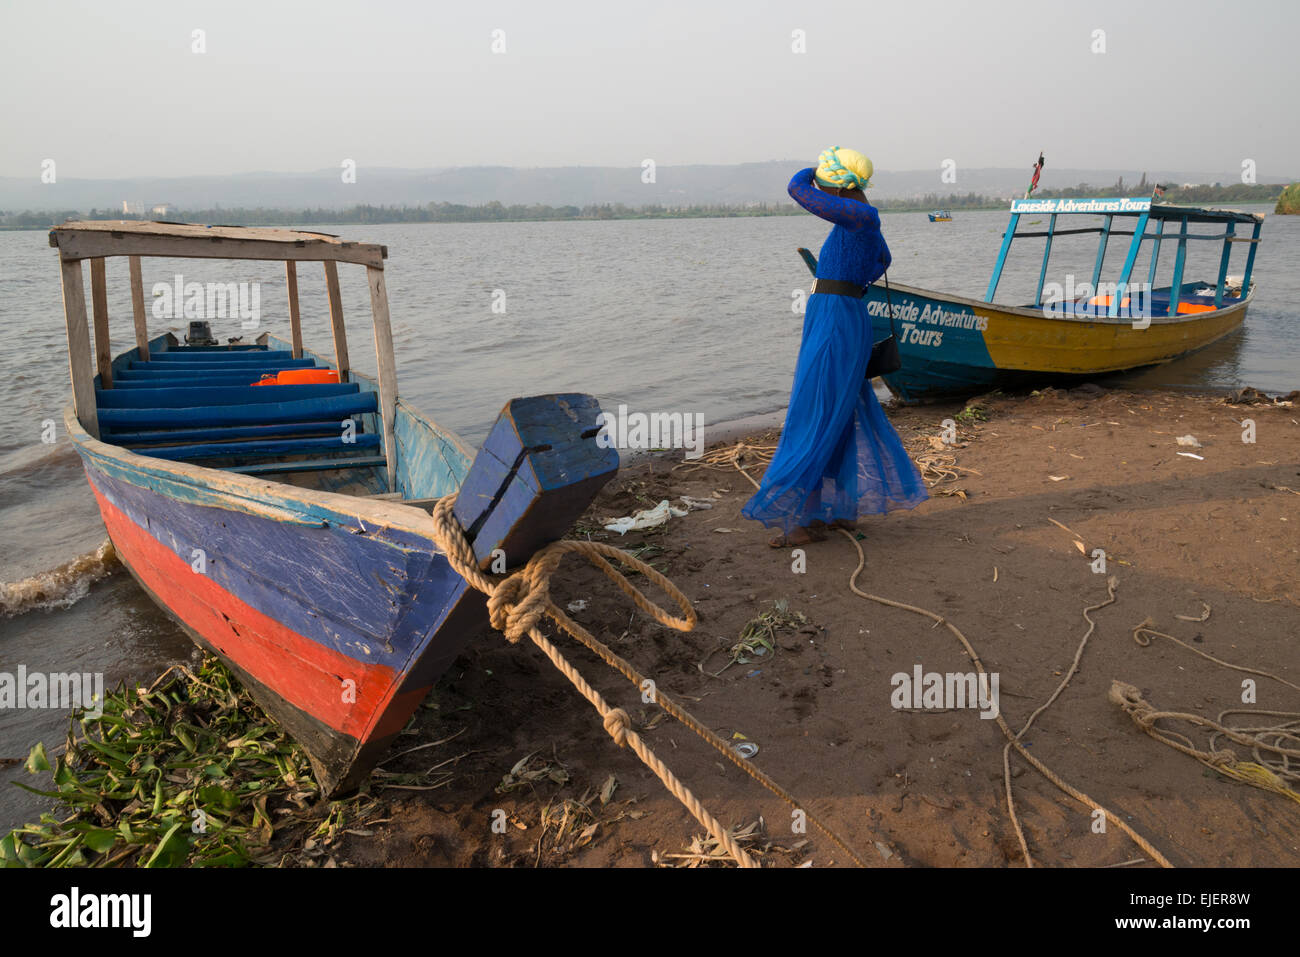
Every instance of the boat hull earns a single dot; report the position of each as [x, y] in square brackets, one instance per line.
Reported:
[952, 347]
[337, 612]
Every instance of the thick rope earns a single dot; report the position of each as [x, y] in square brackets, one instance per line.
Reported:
[1143, 634]
[1222, 760]
[516, 605]
[1272, 769]
[1013, 739]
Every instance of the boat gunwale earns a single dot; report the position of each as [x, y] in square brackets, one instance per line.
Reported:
[257, 496]
[1037, 312]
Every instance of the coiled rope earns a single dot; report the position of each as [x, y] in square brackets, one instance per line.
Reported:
[1275, 747]
[518, 602]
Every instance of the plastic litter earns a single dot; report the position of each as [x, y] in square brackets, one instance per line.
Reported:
[646, 518]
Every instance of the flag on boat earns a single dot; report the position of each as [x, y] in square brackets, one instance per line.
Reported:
[1038, 169]
[1158, 191]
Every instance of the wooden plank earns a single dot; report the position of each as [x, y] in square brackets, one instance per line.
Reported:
[125, 439]
[99, 300]
[308, 465]
[262, 448]
[80, 368]
[90, 240]
[136, 227]
[387, 367]
[336, 320]
[295, 320]
[203, 399]
[268, 413]
[137, 308]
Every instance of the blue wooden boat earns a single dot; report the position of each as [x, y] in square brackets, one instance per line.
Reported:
[953, 346]
[941, 216]
[286, 528]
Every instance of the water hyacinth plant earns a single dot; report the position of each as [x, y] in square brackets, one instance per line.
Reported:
[187, 772]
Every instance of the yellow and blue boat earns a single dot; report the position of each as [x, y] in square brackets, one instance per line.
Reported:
[941, 216]
[953, 346]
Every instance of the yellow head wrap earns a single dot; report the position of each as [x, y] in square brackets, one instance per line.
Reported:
[848, 169]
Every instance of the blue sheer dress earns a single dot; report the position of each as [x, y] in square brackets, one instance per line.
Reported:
[838, 457]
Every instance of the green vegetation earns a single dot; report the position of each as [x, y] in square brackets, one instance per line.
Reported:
[1187, 195]
[493, 212]
[187, 772]
[1289, 201]
[496, 212]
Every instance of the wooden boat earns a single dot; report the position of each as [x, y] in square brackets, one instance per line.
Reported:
[953, 346]
[941, 216]
[286, 527]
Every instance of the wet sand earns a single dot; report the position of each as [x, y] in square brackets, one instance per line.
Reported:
[921, 787]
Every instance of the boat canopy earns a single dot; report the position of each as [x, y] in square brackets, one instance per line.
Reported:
[1143, 210]
[98, 240]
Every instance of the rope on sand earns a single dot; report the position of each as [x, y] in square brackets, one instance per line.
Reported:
[1274, 746]
[731, 457]
[516, 605]
[1013, 738]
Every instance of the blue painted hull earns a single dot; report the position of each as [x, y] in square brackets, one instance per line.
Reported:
[335, 608]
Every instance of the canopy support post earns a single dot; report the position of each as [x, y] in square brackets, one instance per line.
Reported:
[79, 364]
[1139, 234]
[1047, 251]
[99, 302]
[336, 319]
[137, 309]
[1101, 253]
[1176, 287]
[387, 368]
[295, 320]
[1155, 256]
[1009, 235]
[1250, 259]
[1223, 265]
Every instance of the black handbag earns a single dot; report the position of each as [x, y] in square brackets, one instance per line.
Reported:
[884, 354]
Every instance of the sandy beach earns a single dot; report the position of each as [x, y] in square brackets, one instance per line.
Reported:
[1204, 549]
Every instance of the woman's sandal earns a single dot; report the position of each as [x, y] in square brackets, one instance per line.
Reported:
[800, 536]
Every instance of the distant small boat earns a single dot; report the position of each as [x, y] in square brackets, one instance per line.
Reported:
[285, 527]
[954, 346]
[941, 216]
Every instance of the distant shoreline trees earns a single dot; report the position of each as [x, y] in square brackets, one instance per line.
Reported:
[496, 212]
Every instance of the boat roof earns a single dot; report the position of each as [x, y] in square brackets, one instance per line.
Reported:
[1133, 206]
[88, 239]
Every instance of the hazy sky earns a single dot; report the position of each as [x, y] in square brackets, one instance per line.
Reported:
[114, 89]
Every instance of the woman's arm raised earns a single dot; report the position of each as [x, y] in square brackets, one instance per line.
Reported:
[849, 213]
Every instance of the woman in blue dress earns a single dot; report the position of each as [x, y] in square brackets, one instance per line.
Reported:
[838, 457]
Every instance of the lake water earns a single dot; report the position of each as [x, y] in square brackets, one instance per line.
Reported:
[666, 315]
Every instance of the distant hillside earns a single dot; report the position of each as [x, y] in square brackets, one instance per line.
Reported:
[674, 186]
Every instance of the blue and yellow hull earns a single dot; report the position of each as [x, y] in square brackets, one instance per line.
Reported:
[952, 346]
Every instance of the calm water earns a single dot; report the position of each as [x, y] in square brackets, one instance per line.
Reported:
[688, 315]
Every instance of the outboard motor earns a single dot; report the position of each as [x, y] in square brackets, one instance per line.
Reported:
[200, 334]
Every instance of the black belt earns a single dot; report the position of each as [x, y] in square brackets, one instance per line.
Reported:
[838, 287]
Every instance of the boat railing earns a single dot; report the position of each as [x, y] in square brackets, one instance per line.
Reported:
[1143, 210]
